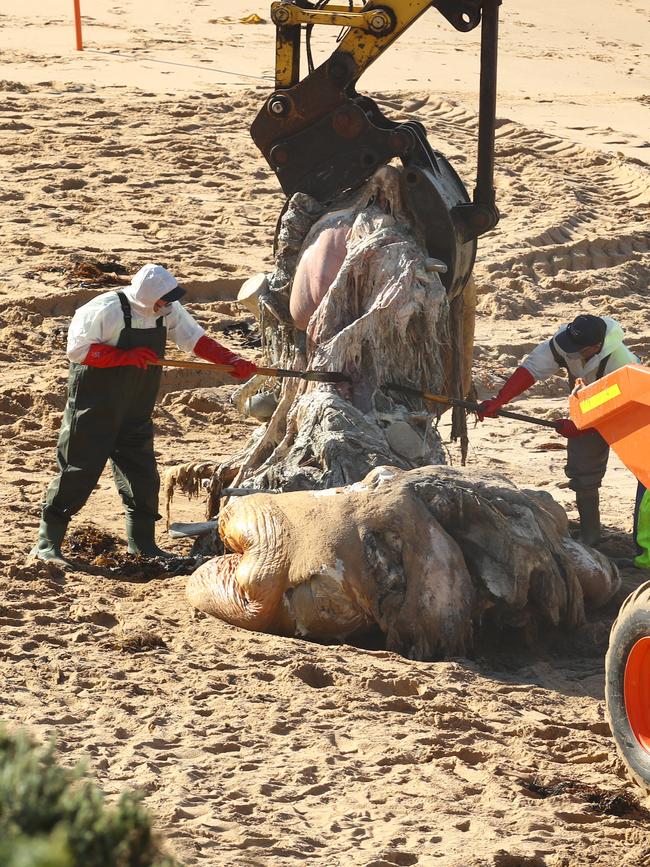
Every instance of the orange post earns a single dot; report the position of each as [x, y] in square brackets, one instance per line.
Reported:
[77, 24]
[618, 406]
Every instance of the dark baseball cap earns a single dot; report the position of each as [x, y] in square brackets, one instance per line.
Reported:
[585, 330]
[174, 294]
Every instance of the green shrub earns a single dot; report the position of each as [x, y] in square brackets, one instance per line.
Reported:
[50, 816]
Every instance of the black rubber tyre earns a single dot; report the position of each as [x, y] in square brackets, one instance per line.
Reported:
[627, 677]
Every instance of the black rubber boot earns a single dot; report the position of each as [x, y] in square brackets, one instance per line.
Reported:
[48, 547]
[141, 536]
[588, 509]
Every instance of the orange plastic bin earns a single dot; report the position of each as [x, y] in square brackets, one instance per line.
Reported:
[618, 406]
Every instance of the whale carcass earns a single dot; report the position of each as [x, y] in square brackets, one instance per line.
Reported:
[428, 555]
[365, 526]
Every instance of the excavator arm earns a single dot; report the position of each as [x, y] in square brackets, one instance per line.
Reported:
[321, 137]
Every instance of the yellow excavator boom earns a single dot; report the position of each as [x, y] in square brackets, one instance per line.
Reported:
[323, 138]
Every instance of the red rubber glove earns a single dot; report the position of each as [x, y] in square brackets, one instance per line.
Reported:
[566, 428]
[489, 408]
[520, 380]
[210, 350]
[103, 355]
[243, 369]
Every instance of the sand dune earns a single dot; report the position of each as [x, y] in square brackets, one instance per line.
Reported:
[255, 750]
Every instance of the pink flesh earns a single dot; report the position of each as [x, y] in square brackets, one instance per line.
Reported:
[315, 273]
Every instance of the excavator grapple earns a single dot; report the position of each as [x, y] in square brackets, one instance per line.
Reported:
[323, 138]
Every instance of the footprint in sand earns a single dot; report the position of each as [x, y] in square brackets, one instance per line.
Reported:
[313, 675]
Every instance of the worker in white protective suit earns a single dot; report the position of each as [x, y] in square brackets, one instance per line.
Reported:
[114, 342]
[588, 348]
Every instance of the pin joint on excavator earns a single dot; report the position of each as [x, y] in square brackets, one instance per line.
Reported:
[321, 137]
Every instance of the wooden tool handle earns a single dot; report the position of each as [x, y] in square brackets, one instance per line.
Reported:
[468, 404]
[194, 365]
[309, 375]
[475, 407]
[208, 365]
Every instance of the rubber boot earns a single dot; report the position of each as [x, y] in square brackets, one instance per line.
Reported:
[589, 512]
[48, 547]
[141, 536]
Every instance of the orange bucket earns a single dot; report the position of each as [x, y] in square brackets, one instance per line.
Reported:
[618, 406]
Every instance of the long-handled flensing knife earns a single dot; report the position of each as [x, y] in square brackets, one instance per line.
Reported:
[467, 404]
[309, 375]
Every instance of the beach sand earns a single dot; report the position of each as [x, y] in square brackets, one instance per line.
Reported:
[252, 749]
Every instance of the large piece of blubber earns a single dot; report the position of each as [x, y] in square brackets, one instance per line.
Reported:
[618, 407]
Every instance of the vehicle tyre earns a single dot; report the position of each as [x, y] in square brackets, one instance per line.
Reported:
[627, 684]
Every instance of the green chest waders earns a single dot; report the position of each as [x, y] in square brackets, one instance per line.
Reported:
[108, 417]
[586, 463]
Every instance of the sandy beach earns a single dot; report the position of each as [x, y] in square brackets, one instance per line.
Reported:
[252, 749]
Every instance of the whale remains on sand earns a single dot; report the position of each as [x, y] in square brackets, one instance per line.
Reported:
[430, 556]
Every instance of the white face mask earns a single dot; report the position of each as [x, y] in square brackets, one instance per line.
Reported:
[164, 311]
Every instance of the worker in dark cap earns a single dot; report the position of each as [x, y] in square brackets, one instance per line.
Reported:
[114, 344]
[587, 348]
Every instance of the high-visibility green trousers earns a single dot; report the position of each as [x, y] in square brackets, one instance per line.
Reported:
[642, 528]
